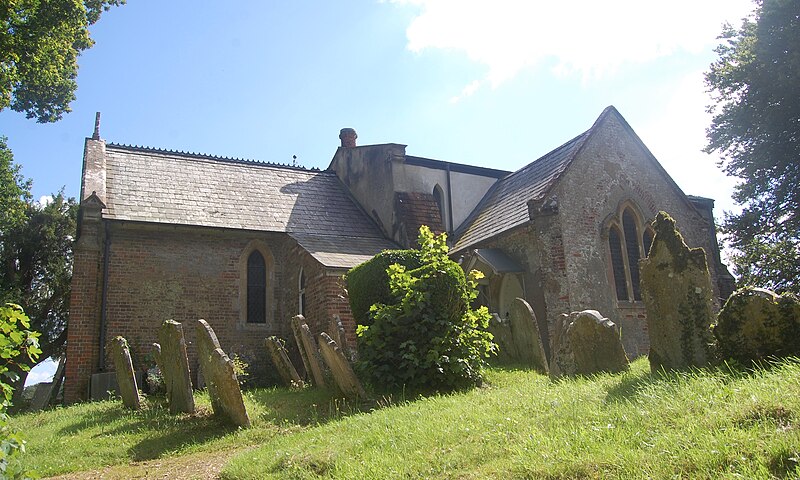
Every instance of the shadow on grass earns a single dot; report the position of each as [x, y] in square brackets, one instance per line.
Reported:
[308, 406]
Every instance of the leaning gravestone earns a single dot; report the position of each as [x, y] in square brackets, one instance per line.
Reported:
[308, 350]
[220, 376]
[340, 368]
[756, 323]
[677, 293]
[126, 379]
[562, 362]
[500, 329]
[596, 344]
[338, 336]
[526, 337]
[280, 358]
[175, 363]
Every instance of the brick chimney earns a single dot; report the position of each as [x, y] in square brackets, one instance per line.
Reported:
[348, 137]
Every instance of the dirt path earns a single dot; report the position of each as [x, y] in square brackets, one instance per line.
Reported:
[197, 466]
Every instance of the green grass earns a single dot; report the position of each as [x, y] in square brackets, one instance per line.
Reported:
[717, 423]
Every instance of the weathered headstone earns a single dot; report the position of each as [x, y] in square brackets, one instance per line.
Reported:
[562, 362]
[677, 293]
[340, 367]
[155, 376]
[500, 328]
[586, 343]
[221, 374]
[308, 350]
[207, 342]
[526, 337]
[756, 323]
[338, 336]
[126, 379]
[280, 358]
[596, 344]
[175, 363]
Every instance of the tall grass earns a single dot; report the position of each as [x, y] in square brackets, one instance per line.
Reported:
[718, 423]
[702, 424]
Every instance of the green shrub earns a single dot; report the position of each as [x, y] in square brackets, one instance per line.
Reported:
[427, 337]
[368, 283]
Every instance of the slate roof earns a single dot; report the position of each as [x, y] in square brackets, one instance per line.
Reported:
[158, 186]
[505, 205]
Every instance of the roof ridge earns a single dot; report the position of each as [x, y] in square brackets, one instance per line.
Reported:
[206, 156]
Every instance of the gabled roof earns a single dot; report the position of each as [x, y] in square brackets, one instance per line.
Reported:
[158, 186]
[505, 205]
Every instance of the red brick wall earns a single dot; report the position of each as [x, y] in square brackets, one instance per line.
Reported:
[186, 273]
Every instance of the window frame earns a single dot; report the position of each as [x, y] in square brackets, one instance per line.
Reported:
[269, 285]
[617, 222]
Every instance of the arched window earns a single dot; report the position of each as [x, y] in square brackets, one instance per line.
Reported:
[627, 246]
[256, 288]
[301, 296]
[438, 195]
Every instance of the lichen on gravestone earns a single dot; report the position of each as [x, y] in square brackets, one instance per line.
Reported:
[177, 377]
[340, 368]
[526, 337]
[280, 358]
[126, 378]
[309, 351]
[677, 293]
[585, 343]
[756, 323]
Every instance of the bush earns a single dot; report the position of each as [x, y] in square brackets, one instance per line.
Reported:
[427, 337]
[368, 283]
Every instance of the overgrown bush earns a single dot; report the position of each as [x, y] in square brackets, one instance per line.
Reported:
[15, 341]
[427, 336]
[368, 283]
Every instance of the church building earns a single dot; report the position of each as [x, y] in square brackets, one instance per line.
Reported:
[246, 245]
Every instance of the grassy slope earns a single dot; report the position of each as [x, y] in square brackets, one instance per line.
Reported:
[703, 425]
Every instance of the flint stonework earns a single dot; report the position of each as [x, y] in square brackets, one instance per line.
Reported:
[308, 350]
[340, 367]
[126, 379]
[596, 344]
[177, 379]
[280, 358]
[526, 337]
[756, 323]
[677, 293]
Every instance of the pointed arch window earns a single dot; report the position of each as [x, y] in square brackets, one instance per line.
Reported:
[256, 288]
[626, 246]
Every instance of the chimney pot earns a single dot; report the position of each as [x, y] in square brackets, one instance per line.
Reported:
[348, 137]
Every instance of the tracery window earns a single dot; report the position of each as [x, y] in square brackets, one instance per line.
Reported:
[626, 246]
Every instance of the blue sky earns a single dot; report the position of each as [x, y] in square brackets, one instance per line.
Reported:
[492, 83]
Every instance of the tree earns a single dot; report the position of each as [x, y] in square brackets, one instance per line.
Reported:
[755, 85]
[40, 41]
[36, 260]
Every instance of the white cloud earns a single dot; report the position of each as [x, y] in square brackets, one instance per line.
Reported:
[467, 91]
[45, 200]
[588, 38]
[677, 136]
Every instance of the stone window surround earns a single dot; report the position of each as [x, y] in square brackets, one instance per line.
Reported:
[269, 262]
[615, 221]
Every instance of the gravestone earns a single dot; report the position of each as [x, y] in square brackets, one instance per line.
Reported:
[175, 363]
[280, 358]
[126, 379]
[154, 375]
[308, 350]
[526, 337]
[338, 336]
[585, 343]
[596, 344]
[220, 376]
[340, 367]
[500, 328]
[756, 323]
[677, 293]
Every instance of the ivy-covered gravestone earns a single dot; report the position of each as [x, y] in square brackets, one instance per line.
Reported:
[677, 293]
[756, 323]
